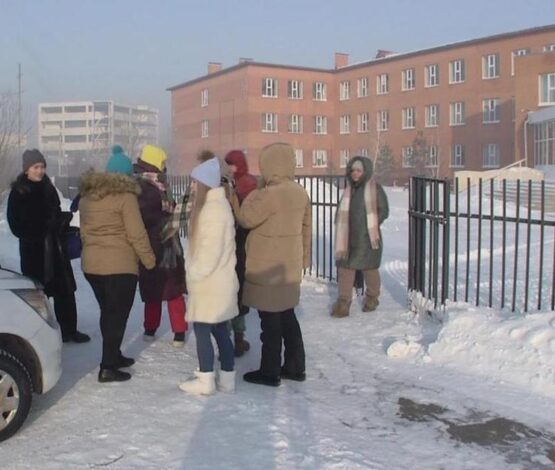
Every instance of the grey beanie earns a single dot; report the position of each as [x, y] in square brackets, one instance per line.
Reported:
[32, 157]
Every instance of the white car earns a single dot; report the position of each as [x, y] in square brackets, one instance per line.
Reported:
[30, 348]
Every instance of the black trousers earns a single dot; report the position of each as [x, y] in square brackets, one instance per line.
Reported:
[115, 294]
[66, 313]
[278, 327]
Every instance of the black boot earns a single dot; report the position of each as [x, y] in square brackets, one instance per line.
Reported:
[257, 377]
[76, 337]
[126, 361]
[112, 375]
[297, 376]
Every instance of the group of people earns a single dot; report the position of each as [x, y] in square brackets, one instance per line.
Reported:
[248, 241]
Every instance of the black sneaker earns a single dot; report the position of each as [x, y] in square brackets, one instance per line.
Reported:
[257, 377]
[126, 361]
[112, 375]
[76, 337]
[149, 335]
[298, 376]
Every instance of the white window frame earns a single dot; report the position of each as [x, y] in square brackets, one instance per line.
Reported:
[432, 75]
[319, 158]
[345, 124]
[382, 84]
[204, 98]
[490, 110]
[406, 156]
[295, 124]
[432, 115]
[344, 157]
[546, 89]
[344, 90]
[456, 71]
[517, 53]
[490, 66]
[490, 156]
[299, 158]
[269, 122]
[295, 89]
[408, 80]
[549, 47]
[432, 157]
[319, 91]
[320, 125]
[363, 152]
[269, 87]
[456, 114]
[362, 87]
[362, 122]
[457, 156]
[204, 128]
[408, 118]
[382, 124]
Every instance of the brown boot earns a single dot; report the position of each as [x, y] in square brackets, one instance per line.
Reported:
[341, 308]
[241, 345]
[370, 304]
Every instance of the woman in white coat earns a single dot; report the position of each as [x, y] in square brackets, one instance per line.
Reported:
[211, 280]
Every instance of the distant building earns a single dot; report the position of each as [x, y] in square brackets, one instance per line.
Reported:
[77, 135]
[468, 103]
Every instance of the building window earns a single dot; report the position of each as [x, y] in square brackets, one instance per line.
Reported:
[490, 154]
[269, 122]
[319, 158]
[432, 115]
[81, 109]
[490, 66]
[204, 98]
[549, 48]
[295, 124]
[51, 109]
[456, 71]
[408, 118]
[74, 139]
[74, 124]
[363, 152]
[547, 88]
[490, 108]
[408, 79]
[320, 125]
[362, 87]
[319, 91]
[344, 157]
[383, 120]
[432, 75]
[382, 84]
[362, 122]
[406, 153]
[544, 143]
[345, 124]
[295, 90]
[269, 88]
[299, 159]
[517, 53]
[457, 156]
[344, 90]
[204, 129]
[456, 113]
[432, 159]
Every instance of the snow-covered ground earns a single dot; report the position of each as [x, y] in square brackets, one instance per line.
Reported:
[472, 389]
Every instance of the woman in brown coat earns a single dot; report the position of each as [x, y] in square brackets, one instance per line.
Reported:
[114, 240]
[278, 248]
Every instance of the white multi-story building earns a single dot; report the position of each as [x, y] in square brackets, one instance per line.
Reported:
[77, 135]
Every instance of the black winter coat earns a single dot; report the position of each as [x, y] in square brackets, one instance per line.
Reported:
[35, 217]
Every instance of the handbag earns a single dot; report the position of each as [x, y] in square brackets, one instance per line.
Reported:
[72, 242]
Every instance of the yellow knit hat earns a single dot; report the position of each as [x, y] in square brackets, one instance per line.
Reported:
[154, 156]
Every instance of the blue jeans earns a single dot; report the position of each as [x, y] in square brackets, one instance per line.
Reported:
[205, 350]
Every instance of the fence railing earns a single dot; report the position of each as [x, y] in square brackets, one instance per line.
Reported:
[488, 247]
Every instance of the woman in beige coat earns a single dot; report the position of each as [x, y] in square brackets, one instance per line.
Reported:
[114, 240]
[278, 248]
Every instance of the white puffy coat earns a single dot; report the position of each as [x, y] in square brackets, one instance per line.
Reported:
[210, 269]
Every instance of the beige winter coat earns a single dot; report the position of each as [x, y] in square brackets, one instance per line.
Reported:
[112, 231]
[210, 265]
[278, 245]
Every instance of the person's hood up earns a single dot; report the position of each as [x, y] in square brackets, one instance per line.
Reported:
[239, 160]
[99, 185]
[368, 166]
[277, 163]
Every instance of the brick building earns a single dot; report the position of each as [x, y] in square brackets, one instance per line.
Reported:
[458, 106]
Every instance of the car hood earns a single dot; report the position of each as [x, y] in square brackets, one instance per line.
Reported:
[13, 280]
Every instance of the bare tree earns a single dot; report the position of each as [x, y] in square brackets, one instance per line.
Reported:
[9, 139]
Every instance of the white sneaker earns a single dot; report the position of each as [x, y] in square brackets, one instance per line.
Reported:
[203, 384]
[226, 381]
[179, 340]
[148, 337]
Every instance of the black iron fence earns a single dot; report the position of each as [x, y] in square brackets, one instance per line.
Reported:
[491, 244]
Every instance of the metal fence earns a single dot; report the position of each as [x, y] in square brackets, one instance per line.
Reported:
[492, 244]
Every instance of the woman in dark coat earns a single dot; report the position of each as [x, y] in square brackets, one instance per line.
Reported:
[167, 280]
[35, 217]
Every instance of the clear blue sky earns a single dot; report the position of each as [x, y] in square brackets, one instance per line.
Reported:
[132, 50]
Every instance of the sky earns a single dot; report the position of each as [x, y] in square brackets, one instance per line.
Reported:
[133, 50]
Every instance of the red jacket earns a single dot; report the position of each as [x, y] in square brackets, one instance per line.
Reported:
[244, 181]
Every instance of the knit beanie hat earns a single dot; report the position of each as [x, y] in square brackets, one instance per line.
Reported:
[32, 157]
[119, 162]
[208, 173]
[154, 156]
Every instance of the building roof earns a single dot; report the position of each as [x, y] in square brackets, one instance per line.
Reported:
[542, 115]
[389, 58]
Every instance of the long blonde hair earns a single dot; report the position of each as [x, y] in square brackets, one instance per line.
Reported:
[199, 198]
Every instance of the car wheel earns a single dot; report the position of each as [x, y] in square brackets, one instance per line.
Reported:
[15, 394]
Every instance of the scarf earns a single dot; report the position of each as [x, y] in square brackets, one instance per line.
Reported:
[342, 219]
[168, 204]
[176, 220]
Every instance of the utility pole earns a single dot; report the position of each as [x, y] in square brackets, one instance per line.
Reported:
[19, 109]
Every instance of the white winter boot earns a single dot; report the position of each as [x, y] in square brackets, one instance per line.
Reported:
[203, 384]
[226, 381]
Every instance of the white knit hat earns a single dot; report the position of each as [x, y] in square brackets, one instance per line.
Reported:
[208, 173]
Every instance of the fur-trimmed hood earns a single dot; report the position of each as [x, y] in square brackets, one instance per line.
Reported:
[99, 185]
